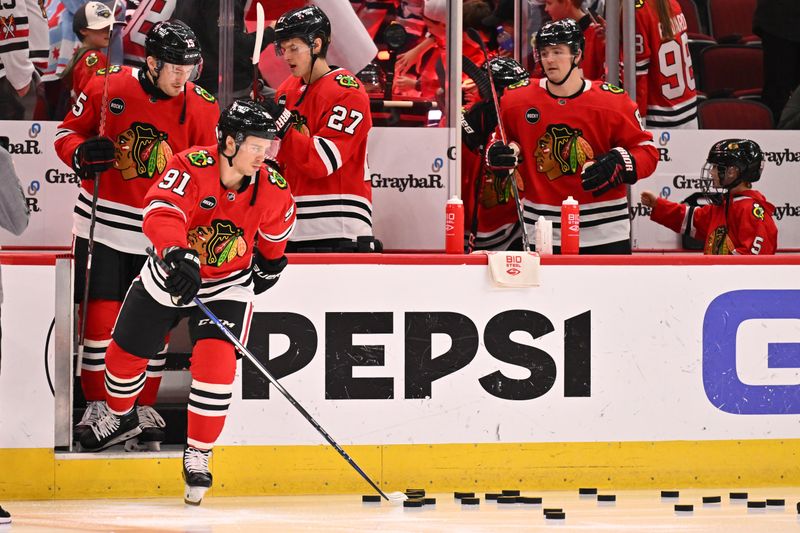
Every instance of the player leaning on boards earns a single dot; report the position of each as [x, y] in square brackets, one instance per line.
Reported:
[151, 113]
[323, 127]
[573, 137]
[741, 222]
[219, 217]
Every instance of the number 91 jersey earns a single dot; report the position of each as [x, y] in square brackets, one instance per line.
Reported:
[324, 156]
[190, 208]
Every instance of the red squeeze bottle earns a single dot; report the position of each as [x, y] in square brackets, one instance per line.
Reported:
[454, 226]
[570, 226]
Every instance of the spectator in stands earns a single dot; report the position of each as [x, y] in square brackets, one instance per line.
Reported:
[92, 25]
[593, 27]
[665, 87]
[742, 223]
[777, 23]
[790, 116]
[203, 17]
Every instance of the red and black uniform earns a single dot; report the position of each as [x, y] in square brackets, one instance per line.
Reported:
[191, 208]
[557, 136]
[147, 130]
[665, 86]
[742, 225]
[594, 51]
[324, 156]
[85, 67]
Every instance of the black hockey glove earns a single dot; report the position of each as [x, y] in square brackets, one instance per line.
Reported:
[608, 171]
[477, 124]
[282, 116]
[502, 156]
[266, 272]
[183, 281]
[92, 156]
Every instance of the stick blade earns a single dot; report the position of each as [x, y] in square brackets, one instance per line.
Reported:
[259, 33]
[396, 497]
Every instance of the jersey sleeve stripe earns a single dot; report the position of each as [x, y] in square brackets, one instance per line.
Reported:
[278, 238]
[329, 154]
[63, 132]
[161, 204]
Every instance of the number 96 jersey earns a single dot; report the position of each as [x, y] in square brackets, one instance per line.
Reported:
[190, 208]
[324, 156]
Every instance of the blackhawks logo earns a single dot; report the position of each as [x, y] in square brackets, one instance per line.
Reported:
[517, 85]
[218, 243]
[719, 243]
[205, 95]
[639, 3]
[758, 211]
[275, 178]
[347, 80]
[497, 190]
[613, 89]
[561, 150]
[141, 151]
[91, 60]
[200, 158]
[113, 69]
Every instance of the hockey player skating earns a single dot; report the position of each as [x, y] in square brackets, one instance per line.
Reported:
[150, 114]
[219, 218]
[573, 137]
[323, 127]
[741, 223]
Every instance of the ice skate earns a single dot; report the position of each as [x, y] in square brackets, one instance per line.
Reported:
[94, 411]
[110, 430]
[5, 516]
[152, 435]
[196, 474]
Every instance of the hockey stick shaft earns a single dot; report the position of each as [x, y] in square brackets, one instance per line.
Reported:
[475, 36]
[257, 48]
[245, 352]
[93, 214]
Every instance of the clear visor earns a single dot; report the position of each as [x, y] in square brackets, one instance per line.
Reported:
[190, 72]
[293, 48]
[257, 147]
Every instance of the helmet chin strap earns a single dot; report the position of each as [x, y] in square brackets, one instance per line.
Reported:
[564, 79]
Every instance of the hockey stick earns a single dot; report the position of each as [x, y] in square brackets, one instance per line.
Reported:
[475, 36]
[95, 194]
[392, 496]
[257, 48]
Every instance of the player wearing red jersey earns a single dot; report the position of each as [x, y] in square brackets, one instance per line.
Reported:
[219, 217]
[150, 114]
[742, 223]
[593, 27]
[573, 137]
[665, 88]
[489, 209]
[323, 118]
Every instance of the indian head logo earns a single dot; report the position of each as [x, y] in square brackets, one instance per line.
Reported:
[562, 150]
[219, 243]
[497, 190]
[141, 151]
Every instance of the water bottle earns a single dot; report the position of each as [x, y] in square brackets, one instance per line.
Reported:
[504, 39]
[544, 236]
[570, 226]
[454, 226]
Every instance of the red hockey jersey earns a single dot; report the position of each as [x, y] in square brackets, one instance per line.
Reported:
[324, 156]
[594, 50]
[190, 208]
[85, 68]
[147, 132]
[747, 229]
[558, 136]
[665, 88]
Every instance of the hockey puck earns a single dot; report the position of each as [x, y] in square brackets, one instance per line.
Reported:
[712, 499]
[756, 504]
[413, 503]
[492, 496]
[460, 495]
[775, 502]
[511, 492]
[798, 507]
[551, 510]
[555, 516]
[670, 493]
[684, 507]
[738, 495]
[371, 498]
[587, 490]
[506, 499]
[606, 497]
[429, 501]
[470, 500]
[535, 500]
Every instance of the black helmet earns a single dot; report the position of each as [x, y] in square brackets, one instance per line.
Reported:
[243, 118]
[374, 78]
[743, 154]
[306, 23]
[172, 41]
[564, 31]
[506, 72]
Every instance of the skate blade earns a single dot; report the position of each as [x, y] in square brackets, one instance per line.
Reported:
[135, 445]
[194, 495]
